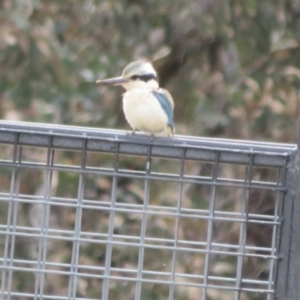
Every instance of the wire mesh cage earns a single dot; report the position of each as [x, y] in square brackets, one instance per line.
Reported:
[99, 214]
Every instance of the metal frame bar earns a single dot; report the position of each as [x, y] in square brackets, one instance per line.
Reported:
[176, 231]
[243, 232]
[210, 227]
[69, 137]
[42, 248]
[287, 272]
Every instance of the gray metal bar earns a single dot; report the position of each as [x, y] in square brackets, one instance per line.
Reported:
[109, 247]
[77, 230]
[278, 205]
[128, 272]
[131, 239]
[67, 137]
[287, 280]
[138, 289]
[159, 176]
[14, 223]
[14, 176]
[176, 230]
[221, 280]
[169, 212]
[42, 248]
[210, 228]
[243, 233]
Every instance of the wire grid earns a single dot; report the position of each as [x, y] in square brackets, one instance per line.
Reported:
[97, 214]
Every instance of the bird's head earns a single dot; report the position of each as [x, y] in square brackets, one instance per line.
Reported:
[138, 74]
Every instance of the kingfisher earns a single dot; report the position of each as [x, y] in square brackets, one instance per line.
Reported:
[147, 107]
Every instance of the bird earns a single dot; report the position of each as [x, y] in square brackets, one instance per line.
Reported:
[147, 107]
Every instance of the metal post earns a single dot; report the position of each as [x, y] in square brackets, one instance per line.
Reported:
[287, 284]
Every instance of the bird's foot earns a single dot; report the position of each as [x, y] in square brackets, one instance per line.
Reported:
[152, 137]
[131, 132]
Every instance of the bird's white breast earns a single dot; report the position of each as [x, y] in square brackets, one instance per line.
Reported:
[143, 112]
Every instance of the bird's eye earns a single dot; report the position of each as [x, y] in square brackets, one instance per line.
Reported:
[144, 78]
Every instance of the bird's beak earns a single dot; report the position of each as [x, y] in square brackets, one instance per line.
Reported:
[115, 81]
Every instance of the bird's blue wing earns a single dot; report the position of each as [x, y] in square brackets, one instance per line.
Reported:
[166, 104]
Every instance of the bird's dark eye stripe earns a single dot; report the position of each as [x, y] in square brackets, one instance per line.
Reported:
[144, 77]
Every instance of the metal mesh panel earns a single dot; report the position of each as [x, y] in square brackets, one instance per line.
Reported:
[97, 214]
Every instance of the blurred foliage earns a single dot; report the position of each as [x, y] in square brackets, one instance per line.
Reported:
[233, 68]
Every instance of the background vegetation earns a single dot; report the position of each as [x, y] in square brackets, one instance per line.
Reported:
[233, 68]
